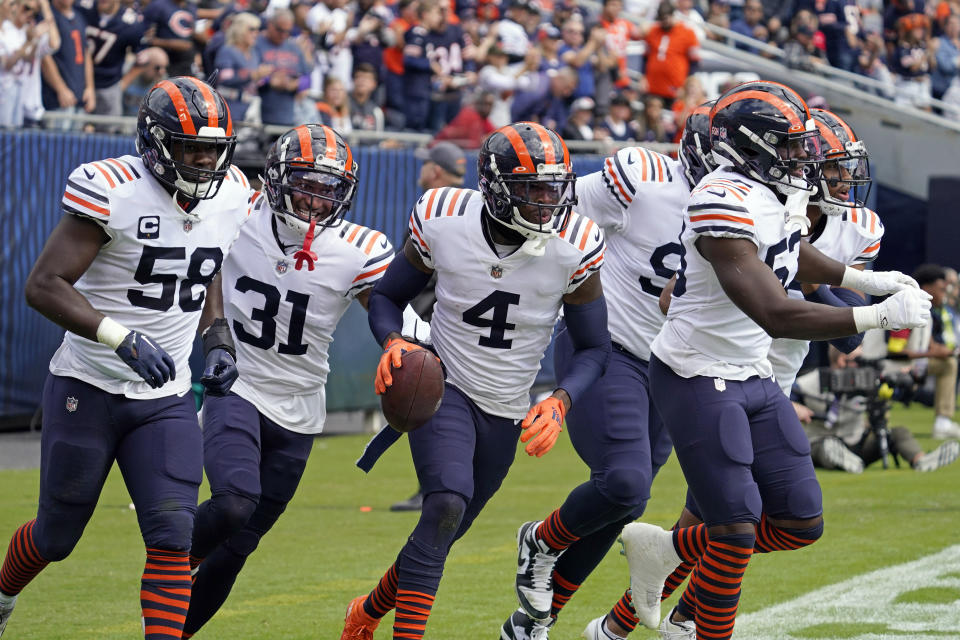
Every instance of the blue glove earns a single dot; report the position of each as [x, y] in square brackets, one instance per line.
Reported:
[220, 372]
[149, 361]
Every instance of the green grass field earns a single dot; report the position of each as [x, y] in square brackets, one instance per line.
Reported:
[325, 550]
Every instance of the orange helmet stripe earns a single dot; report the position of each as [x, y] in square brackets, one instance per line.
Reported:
[183, 114]
[795, 123]
[549, 154]
[833, 142]
[306, 144]
[519, 147]
[212, 119]
[331, 142]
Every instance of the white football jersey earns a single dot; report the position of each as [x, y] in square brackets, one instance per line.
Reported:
[151, 276]
[494, 316]
[638, 199]
[705, 333]
[283, 319]
[853, 238]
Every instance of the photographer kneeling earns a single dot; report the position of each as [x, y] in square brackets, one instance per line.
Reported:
[839, 429]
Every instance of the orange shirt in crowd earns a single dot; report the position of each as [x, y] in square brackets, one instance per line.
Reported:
[393, 56]
[619, 33]
[669, 55]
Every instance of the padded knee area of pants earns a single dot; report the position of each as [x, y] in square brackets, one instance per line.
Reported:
[440, 518]
[56, 543]
[75, 479]
[804, 500]
[169, 530]
[625, 486]
[232, 511]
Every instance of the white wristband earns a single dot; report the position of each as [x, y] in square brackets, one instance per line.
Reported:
[111, 333]
[852, 278]
[867, 317]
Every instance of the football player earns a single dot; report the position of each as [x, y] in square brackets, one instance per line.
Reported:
[294, 271]
[841, 228]
[125, 273]
[507, 258]
[737, 437]
[637, 199]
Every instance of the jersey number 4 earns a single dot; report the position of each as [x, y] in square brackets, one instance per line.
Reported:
[267, 317]
[168, 281]
[499, 302]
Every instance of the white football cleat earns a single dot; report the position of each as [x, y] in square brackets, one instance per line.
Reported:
[520, 626]
[944, 428]
[840, 457]
[594, 630]
[535, 562]
[651, 558]
[670, 630]
[939, 457]
[6, 609]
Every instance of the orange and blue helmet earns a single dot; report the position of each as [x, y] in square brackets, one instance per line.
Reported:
[845, 174]
[310, 176]
[527, 180]
[695, 155]
[180, 120]
[764, 129]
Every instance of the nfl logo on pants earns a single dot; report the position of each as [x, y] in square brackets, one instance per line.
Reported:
[71, 404]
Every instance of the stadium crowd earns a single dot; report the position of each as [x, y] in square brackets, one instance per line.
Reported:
[457, 67]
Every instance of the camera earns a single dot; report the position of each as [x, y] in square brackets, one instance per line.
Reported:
[868, 379]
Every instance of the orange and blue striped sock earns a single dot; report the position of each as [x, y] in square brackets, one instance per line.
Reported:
[690, 543]
[165, 593]
[413, 609]
[563, 590]
[717, 582]
[773, 538]
[23, 561]
[687, 605]
[383, 598]
[553, 532]
[623, 613]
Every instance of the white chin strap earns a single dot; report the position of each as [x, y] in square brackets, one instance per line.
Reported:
[796, 205]
[295, 224]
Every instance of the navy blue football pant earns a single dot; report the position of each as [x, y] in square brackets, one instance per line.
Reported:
[156, 444]
[740, 445]
[253, 466]
[619, 435]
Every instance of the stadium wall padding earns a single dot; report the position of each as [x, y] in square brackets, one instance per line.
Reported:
[35, 165]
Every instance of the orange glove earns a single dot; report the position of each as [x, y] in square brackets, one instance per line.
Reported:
[542, 426]
[391, 356]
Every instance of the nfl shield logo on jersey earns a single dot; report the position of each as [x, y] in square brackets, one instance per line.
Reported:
[281, 266]
[496, 271]
[71, 404]
[188, 226]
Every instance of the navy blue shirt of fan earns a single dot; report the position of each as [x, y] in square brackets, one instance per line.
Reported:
[109, 37]
[69, 58]
[174, 21]
[276, 106]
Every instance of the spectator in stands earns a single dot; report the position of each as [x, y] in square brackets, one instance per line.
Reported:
[658, 124]
[718, 13]
[912, 61]
[504, 79]
[688, 14]
[618, 124]
[172, 22]
[27, 35]
[393, 61]
[585, 58]
[777, 16]
[329, 21]
[751, 24]
[548, 43]
[444, 165]
[838, 429]
[365, 114]
[514, 39]
[457, 70]
[895, 10]
[150, 67]
[947, 51]
[112, 32]
[239, 68]
[672, 49]
[690, 97]
[619, 32]
[563, 10]
[872, 61]
[368, 35]
[68, 72]
[289, 70]
[939, 347]
[418, 66]
[334, 109]
[579, 125]
[547, 100]
[472, 125]
[800, 52]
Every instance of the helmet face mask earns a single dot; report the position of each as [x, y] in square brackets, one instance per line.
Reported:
[695, 154]
[527, 181]
[185, 137]
[765, 131]
[310, 178]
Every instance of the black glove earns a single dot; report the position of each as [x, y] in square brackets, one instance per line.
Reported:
[220, 371]
[151, 363]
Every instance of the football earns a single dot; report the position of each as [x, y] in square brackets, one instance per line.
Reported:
[416, 391]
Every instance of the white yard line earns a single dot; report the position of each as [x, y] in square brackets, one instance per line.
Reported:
[869, 599]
